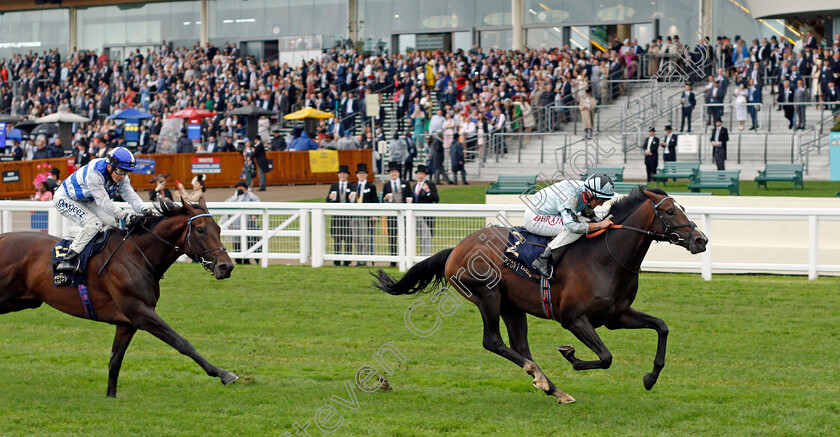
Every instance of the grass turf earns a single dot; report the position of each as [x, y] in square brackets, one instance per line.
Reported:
[747, 355]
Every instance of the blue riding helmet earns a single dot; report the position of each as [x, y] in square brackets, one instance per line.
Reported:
[121, 158]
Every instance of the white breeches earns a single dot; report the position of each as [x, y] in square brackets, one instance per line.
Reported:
[87, 214]
[550, 226]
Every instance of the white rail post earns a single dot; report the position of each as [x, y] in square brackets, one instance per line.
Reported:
[410, 237]
[812, 247]
[7, 221]
[706, 269]
[401, 232]
[304, 235]
[266, 232]
[318, 237]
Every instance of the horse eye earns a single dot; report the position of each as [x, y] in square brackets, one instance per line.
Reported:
[199, 230]
[670, 212]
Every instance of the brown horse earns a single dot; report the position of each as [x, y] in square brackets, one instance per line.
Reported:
[594, 285]
[128, 289]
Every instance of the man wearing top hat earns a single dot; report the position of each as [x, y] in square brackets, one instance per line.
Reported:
[670, 144]
[278, 143]
[342, 191]
[395, 190]
[424, 191]
[651, 149]
[365, 192]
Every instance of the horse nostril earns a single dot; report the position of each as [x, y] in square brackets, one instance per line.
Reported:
[700, 241]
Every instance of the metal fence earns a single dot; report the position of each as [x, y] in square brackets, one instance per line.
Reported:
[404, 234]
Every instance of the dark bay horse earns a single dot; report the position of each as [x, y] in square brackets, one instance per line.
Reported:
[128, 289]
[594, 284]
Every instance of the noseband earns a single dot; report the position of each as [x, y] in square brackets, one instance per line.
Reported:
[192, 254]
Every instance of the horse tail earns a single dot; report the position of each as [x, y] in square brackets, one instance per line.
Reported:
[430, 271]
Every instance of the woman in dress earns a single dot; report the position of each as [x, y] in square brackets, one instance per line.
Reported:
[740, 101]
[816, 88]
[249, 169]
[197, 192]
[449, 125]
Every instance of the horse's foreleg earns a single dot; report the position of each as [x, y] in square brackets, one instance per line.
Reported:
[584, 331]
[633, 319]
[121, 340]
[148, 320]
[517, 327]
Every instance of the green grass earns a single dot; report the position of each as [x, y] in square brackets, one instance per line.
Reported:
[749, 188]
[747, 355]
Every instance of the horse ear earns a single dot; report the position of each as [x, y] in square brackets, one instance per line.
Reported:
[202, 203]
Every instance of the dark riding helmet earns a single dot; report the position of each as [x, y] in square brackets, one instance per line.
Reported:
[600, 185]
[121, 158]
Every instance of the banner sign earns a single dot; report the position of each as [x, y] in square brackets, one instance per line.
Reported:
[209, 164]
[131, 132]
[194, 132]
[2, 135]
[144, 166]
[323, 161]
[11, 176]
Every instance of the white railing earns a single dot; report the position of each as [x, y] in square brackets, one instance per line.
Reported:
[750, 240]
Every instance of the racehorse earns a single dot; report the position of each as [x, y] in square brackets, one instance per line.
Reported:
[126, 292]
[594, 284]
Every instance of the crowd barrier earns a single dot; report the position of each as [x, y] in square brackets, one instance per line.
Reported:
[742, 239]
[290, 168]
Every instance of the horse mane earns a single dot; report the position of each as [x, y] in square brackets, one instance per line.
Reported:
[622, 208]
[167, 208]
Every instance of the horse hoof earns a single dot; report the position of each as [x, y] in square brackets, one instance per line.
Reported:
[649, 381]
[566, 349]
[228, 377]
[565, 399]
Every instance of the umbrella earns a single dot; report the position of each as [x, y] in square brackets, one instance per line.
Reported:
[26, 126]
[63, 117]
[308, 113]
[250, 111]
[46, 129]
[191, 113]
[10, 118]
[14, 134]
[130, 114]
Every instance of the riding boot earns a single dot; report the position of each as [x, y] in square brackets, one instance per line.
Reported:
[546, 263]
[70, 263]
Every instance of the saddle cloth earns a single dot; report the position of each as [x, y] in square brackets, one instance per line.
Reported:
[523, 248]
[95, 246]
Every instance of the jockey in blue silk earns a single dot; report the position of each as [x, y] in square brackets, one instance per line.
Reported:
[85, 197]
[565, 211]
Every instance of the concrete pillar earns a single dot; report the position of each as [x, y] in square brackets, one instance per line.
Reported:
[622, 32]
[72, 37]
[205, 25]
[706, 19]
[353, 21]
[517, 21]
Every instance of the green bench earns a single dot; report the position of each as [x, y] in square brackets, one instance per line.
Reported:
[625, 187]
[676, 170]
[781, 172]
[725, 179]
[616, 173]
[512, 184]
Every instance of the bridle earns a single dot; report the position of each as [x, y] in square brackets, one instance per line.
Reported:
[192, 254]
[668, 231]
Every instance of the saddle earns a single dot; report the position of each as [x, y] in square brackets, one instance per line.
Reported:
[523, 248]
[95, 246]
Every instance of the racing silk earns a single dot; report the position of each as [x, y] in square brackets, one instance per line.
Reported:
[91, 183]
[565, 199]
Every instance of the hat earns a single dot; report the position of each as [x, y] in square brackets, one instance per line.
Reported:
[668, 127]
[159, 177]
[361, 167]
[422, 169]
[276, 131]
[242, 184]
[198, 178]
[652, 129]
[343, 169]
[393, 165]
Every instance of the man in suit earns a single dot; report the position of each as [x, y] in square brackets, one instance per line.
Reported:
[456, 152]
[349, 107]
[211, 145]
[342, 191]
[785, 99]
[670, 145]
[800, 95]
[784, 74]
[831, 95]
[754, 74]
[424, 191]
[720, 136]
[262, 161]
[362, 225]
[754, 97]
[651, 149]
[688, 104]
[395, 190]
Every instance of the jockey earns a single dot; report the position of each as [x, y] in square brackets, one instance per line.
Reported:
[85, 197]
[564, 211]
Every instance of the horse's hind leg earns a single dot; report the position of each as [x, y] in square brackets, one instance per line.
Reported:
[121, 340]
[633, 319]
[517, 327]
[585, 332]
[147, 319]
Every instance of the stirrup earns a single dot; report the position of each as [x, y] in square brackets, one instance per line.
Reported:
[67, 267]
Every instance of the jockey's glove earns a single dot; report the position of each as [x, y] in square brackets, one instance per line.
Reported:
[133, 220]
[147, 212]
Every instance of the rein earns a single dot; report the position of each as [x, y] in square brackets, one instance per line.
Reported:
[199, 258]
[667, 233]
